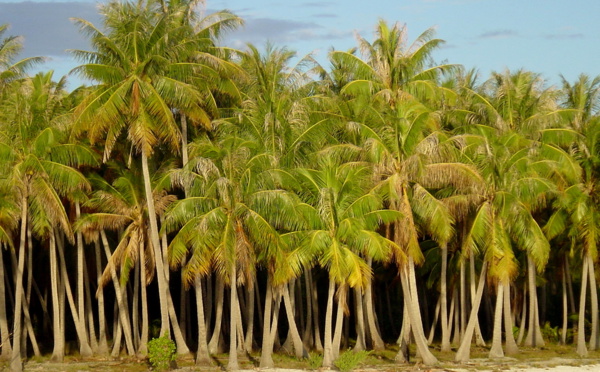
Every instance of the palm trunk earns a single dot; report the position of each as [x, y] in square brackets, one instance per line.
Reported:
[103, 342]
[415, 316]
[249, 339]
[4, 332]
[443, 302]
[123, 311]
[327, 350]
[534, 334]
[58, 352]
[299, 349]
[436, 316]
[266, 356]
[143, 347]
[339, 321]
[214, 346]
[84, 348]
[464, 351]
[202, 356]
[232, 365]
[360, 321]
[315, 311]
[372, 330]
[563, 333]
[155, 242]
[16, 364]
[496, 349]
[463, 298]
[581, 346]
[594, 303]
[511, 345]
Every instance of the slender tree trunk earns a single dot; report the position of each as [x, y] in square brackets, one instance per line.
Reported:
[103, 342]
[266, 356]
[463, 298]
[232, 365]
[16, 365]
[534, 334]
[58, 352]
[523, 317]
[464, 351]
[327, 350]
[581, 346]
[339, 321]
[511, 345]
[249, 339]
[565, 326]
[315, 312]
[436, 316]
[415, 316]
[143, 347]
[299, 349]
[594, 303]
[478, 335]
[202, 356]
[360, 321]
[88, 311]
[373, 332]
[443, 302]
[123, 311]
[214, 346]
[496, 349]
[84, 347]
[155, 242]
[4, 332]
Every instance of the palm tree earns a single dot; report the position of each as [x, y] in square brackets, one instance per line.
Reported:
[38, 165]
[576, 206]
[343, 217]
[10, 47]
[138, 64]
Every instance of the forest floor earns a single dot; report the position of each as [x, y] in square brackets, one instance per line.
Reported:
[551, 358]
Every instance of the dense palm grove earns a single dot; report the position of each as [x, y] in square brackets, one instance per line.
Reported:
[239, 201]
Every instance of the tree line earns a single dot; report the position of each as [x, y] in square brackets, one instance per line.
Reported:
[244, 200]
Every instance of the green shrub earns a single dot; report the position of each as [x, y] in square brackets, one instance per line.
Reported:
[349, 360]
[315, 360]
[161, 352]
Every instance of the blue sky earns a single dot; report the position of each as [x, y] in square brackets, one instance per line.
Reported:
[551, 37]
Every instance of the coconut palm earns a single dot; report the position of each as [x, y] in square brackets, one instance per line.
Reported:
[343, 217]
[39, 165]
[134, 63]
[10, 47]
[576, 207]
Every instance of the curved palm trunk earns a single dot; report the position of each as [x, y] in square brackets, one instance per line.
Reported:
[266, 356]
[84, 348]
[372, 329]
[581, 346]
[4, 332]
[202, 356]
[534, 335]
[58, 352]
[249, 338]
[360, 321]
[214, 346]
[594, 303]
[464, 351]
[143, 347]
[339, 322]
[232, 365]
[155, 242]
[511, 345]
[496, 350]
[478, 335]
[103, 342]
[299, 349]
[122, 308]
[444, 301]
[409, 288]
[327, 350]
[16, 365]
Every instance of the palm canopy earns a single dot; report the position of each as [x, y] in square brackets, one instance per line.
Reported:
[343, 215]
[224, 218]
[37, 161]
[10, 47]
